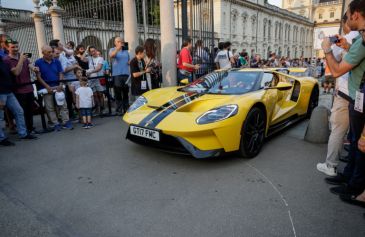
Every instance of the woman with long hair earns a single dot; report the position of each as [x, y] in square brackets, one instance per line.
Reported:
[154, 77]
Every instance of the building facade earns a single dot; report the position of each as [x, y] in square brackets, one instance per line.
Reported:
[262, 28]
[326, 15]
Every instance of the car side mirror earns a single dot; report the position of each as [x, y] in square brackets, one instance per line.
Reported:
[281, 86]
[184, 81]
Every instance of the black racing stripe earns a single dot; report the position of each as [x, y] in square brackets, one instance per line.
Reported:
[154, 113]
[187, 99]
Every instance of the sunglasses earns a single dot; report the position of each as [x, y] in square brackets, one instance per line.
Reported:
[10, 41]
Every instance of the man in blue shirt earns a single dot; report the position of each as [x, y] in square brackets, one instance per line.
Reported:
[50, 73]
[3, 39]
[120, 74]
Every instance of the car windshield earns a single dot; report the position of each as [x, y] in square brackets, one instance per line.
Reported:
[225, 82]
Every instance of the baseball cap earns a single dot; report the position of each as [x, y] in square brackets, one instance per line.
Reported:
[60, 98]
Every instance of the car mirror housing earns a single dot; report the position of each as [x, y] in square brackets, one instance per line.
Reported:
[184, 81]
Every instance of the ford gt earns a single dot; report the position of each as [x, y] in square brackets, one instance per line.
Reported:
[222, 112]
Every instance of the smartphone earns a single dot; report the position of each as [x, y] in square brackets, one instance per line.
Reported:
[125, 47]
[29, 55]
[334, 39]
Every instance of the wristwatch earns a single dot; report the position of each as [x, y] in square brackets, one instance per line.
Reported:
[327, 51]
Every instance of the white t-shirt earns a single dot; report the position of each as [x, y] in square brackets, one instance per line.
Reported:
[339, 53]
[223, 59]
[93, 64]
[85, 97]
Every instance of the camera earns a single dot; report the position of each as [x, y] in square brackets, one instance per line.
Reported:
[29, 55]
[125, 47]
[334, 39]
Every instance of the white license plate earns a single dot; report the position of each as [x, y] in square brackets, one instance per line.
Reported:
[144, 132]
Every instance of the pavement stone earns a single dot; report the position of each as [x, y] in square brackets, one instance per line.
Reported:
[95, 183]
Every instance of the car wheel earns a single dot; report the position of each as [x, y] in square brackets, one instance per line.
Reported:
[313, 101]
[253, 133]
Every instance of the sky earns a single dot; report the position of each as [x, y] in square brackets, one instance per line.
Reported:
[29, 5]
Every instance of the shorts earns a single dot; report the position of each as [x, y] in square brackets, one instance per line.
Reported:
[95, 85]
[85, 112]
[328, 80]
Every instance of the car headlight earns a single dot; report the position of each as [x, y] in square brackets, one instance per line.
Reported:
[137, 104]
[218, 114]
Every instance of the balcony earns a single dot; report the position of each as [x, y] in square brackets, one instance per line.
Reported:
[329, 3]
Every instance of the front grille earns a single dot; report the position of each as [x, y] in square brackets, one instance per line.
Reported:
[167, 142]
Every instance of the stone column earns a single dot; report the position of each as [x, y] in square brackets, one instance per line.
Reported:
[39, 27]
[130, 25]
[168, 42]
[57, 26]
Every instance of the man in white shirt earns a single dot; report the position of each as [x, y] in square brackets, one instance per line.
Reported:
[95, 70]
[339, 113]
[224, 58]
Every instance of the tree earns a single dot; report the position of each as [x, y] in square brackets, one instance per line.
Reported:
[61, 3]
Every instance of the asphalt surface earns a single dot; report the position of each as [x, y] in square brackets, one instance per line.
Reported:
[86, 183]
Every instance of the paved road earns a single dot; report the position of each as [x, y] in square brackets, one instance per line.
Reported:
[95, 183]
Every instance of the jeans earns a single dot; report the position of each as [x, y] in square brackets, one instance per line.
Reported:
[13, 105]
[355, 168]
[121, 91]
[26, 102]
[181, 76]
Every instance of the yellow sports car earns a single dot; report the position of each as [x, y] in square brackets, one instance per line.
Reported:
[224, 111]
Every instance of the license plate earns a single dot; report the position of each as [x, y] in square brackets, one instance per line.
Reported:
[144, 132]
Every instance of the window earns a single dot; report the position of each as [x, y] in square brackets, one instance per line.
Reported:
[266, 80]
[320, 16]
[332, 14]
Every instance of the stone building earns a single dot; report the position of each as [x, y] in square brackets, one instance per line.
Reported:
[326, 15]
[260, 27]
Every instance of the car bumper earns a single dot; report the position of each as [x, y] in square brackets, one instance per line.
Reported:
[174, 145]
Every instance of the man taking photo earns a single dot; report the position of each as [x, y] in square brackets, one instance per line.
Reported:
[353, 62]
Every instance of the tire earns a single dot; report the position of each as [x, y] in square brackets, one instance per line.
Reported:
[313, 101]
[253, 133]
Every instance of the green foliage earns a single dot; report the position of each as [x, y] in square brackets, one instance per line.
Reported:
[61, 3]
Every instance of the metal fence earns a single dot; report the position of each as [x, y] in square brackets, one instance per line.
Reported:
[98, 22]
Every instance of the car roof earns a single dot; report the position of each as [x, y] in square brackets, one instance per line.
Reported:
[290, 69]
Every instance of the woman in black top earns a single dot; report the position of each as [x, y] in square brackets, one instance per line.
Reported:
[138, 70]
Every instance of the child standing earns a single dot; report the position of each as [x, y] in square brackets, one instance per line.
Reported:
[85, 102]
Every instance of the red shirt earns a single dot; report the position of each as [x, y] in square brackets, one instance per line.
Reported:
[185, 57]
[23, 77]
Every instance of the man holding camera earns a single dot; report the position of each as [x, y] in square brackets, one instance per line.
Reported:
[353, 62]
[120, 73]
[20, 67]
[8, 99]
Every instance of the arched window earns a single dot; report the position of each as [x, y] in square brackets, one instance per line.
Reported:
[244, 23]
[253, 29]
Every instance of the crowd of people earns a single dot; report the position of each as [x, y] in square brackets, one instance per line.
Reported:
[73, 83]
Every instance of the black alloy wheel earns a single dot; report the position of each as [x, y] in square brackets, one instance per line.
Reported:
[313, 101]
[253, 133]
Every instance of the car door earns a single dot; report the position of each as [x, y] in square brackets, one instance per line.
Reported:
[285, 104]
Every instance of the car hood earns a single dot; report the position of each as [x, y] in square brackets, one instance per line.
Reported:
[189, 101]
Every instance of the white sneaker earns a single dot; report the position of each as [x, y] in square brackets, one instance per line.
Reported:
[330, 171]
